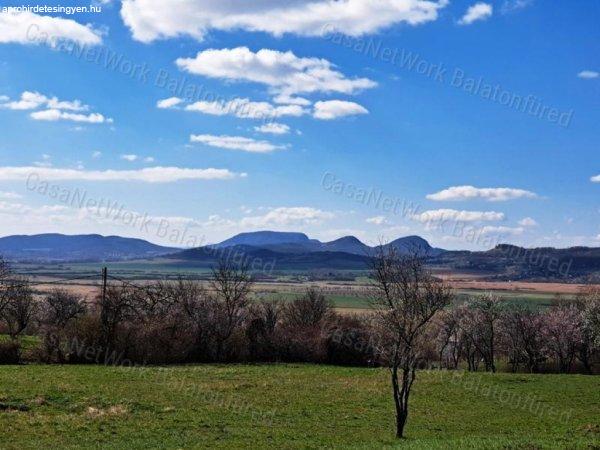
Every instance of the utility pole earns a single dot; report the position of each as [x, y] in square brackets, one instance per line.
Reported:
[104, 279]
[103, 308]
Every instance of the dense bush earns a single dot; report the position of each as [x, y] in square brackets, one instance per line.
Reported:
[10, 352]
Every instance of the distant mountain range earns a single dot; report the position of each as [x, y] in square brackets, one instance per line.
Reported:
[272, 251]
[85, 247]
[285, 242]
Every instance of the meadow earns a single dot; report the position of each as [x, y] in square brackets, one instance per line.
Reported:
[290, 406]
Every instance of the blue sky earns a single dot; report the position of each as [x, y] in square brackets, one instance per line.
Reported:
[468, 123]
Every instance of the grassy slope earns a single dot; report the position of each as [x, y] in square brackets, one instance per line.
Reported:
[288, 406]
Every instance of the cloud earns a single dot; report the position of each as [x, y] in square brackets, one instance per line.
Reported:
[235, 143]
[273, 128]
[441, 215]
[588, 74]
[130, 158]
[243, 108]
[487, 230]
[33, 100]
[291, 100]
[54, 109]
[9, 195]
[287, 216]
[528, 222]
[514, 5]
[479, 11]
[595, 179]
[28, 28]
[168, 102]
[147, 175]
[333, 109]
[96, 154]
[377, 220]
[461, 193]
[283, 72]
[149, 20]
[53, 115]
[149, 159]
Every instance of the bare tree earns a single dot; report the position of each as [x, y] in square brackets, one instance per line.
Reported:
[407, 297]
[191, 303]
[562, 333]
[522, 334]
[118, 304]
[309, 310]
[60, 307]
[4, 274]
[588, 304]
[231, 285]
[58, 310]
[448, 338]
[479, 323]
[263, 320]
[19, 305]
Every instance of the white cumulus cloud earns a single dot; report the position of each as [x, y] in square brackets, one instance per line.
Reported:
[168, 102]
[9, 195]
[273, 128]
[501, 230]
[478, 11]
[283, 72]
[332, 109]
[588, 74]
[53, 115]
[235, 143]
[459, 193]
[243, 108]
[377, 220]
[147, 175]
[53, 109]
[23, 27]
[528, 222]
[595, 179]
[33, 100]
[149, 20]
[441, 215]
[287, 216]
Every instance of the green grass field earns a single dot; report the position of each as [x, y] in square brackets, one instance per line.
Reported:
[290, 406]
[536, 300]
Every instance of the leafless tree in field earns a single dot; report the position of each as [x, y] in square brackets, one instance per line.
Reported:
[120, 303]
[449, 338]
[60, 307]
[263, 318]
[231, 286]
[309, 310]
[4, 274]
[190, 300]
[20, 306]
[58, 310]
[588, 303]
[407, 298]
[521, 329]
[480, 326]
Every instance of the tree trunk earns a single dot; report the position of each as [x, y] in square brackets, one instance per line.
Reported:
[401, 394]
[492, 350]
